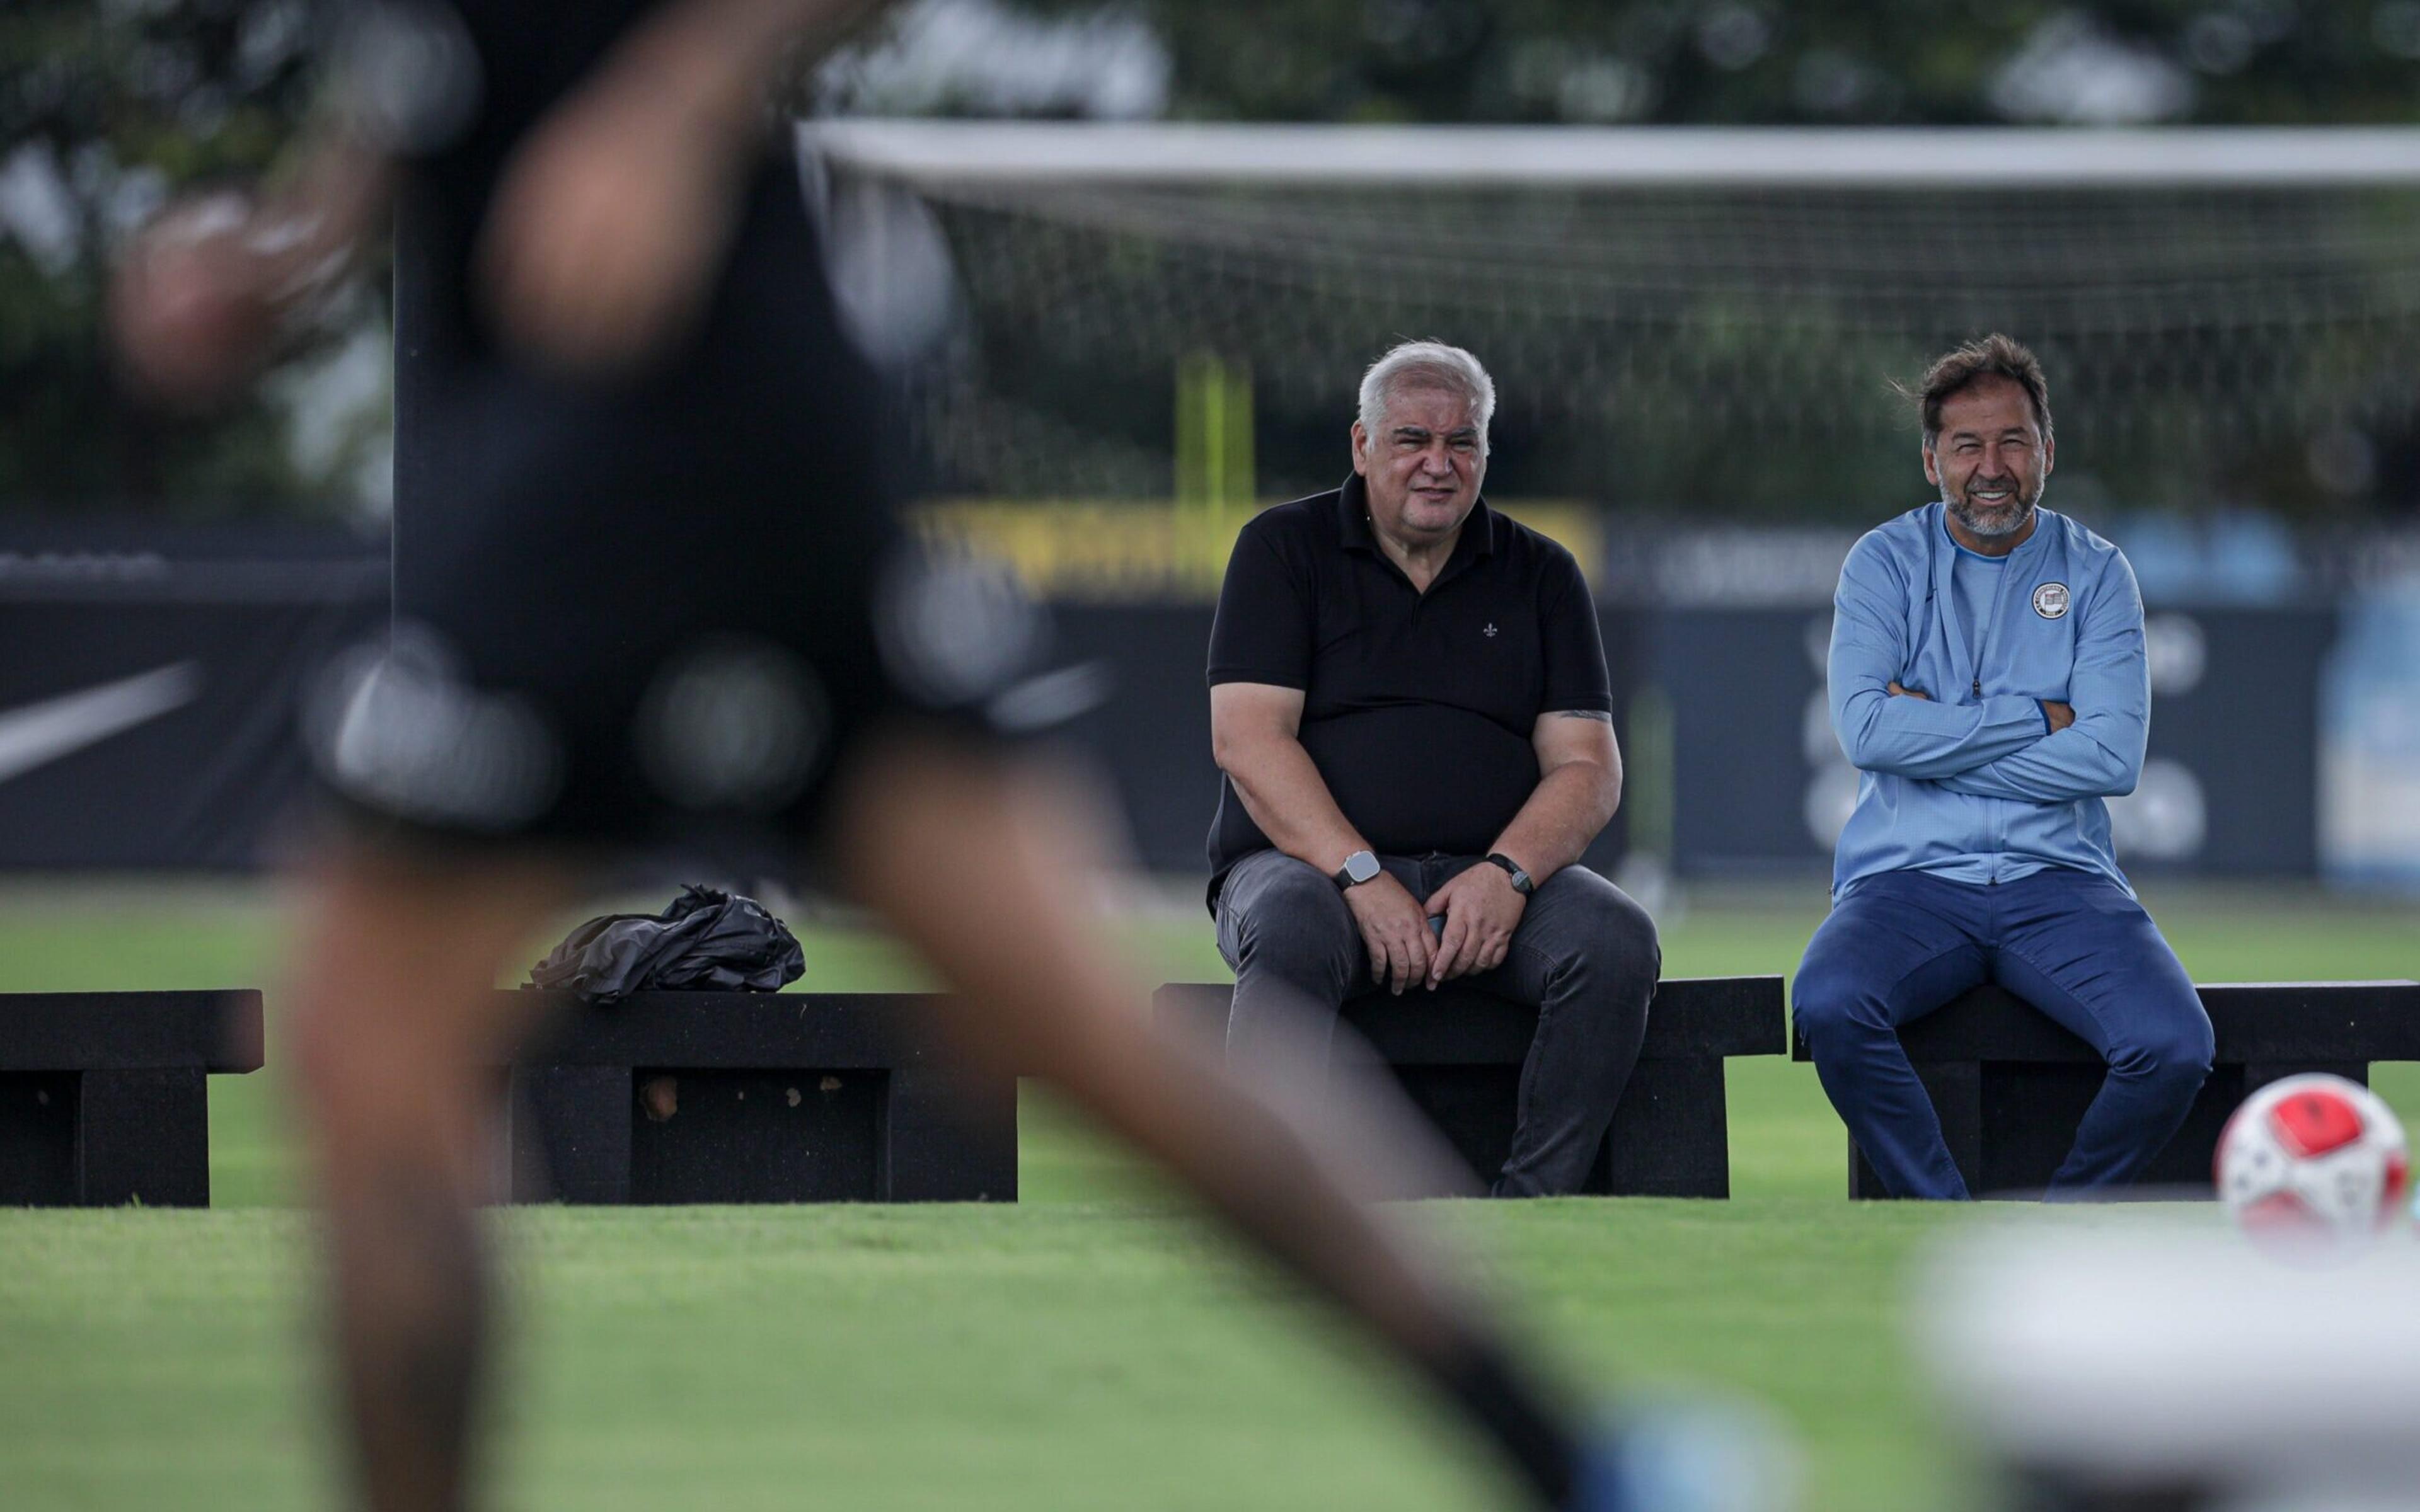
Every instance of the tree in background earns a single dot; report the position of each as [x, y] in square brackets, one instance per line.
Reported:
[1832, 62]
[107, 105]
[106, 108]
[2217, 352]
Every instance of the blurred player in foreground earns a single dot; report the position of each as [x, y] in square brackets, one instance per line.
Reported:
[659, 598]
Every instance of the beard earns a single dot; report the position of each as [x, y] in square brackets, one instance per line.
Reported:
[1990, 522]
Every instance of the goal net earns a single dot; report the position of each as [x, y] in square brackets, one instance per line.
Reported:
[1694, 324]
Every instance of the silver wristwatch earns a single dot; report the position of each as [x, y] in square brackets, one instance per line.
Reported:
[1358, 868]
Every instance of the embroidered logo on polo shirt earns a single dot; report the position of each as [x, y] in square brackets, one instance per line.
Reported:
[2050, 601]
[1490, 630]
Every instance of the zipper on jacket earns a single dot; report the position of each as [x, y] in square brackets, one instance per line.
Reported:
[1983, 632]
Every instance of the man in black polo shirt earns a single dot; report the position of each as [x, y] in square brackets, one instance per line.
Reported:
[1409, 700]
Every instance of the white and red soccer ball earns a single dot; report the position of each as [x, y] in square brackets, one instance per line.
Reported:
[2313, 1161]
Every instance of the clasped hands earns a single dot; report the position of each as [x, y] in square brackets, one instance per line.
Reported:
[2060, 715]
[1479, 910]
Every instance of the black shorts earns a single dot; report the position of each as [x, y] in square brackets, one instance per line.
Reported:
[659, 611]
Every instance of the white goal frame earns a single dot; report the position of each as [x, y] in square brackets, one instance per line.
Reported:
[1040, 152]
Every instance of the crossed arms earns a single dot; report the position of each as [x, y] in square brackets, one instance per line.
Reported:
[2008, 746]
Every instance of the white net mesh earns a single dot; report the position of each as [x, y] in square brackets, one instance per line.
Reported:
[1689, 350]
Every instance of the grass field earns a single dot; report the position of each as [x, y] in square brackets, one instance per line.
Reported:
[1094, 1345]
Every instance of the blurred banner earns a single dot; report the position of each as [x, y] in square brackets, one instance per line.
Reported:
[2230, 786]
[147, 709]
[146, 723]
[2370, 733]
[1151, 739]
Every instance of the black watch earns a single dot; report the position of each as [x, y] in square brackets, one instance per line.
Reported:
[1521, 883]
[1358, 868]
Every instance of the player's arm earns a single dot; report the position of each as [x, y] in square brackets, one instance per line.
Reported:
[605, 232]
[712, 61]
[2100, 753]
[201, 299]
[601, 241]
[1880, 730]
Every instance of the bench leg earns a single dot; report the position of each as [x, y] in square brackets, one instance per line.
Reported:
[945, 1137]
[570, 1134]
[144, 1136]
[1956, 1088]
[1670, 1134]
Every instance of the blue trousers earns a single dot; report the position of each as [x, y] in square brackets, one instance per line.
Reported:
[2070, 943]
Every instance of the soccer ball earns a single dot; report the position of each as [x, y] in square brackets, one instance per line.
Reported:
[2313, 1162]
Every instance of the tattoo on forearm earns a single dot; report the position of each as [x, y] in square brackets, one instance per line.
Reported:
[1598, 715]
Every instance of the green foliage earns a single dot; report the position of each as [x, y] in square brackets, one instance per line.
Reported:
[1683, 353]
[106, 109]
[1743, 63]
[108, 105]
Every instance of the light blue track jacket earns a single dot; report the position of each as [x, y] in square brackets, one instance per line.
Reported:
[1970, 786]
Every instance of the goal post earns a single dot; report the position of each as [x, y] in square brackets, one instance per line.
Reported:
[1686, 324]
[1032, 153]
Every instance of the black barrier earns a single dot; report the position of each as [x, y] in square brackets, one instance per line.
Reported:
[141, 734]
[147, 717]
[1741, 685]
[1152, 739]
[2230, 785]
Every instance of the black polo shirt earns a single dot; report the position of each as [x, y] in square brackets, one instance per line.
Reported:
[1418, 708]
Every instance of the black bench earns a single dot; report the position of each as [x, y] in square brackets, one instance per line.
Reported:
[1457, 1055]
[104, 1097]
[2010, 1086]
[781, 1097]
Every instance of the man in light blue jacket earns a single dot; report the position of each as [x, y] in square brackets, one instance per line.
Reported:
[1988, 679]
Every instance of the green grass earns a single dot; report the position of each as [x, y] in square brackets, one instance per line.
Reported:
[1096, 1345]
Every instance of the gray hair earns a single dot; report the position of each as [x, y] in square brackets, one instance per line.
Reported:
[1427, 365]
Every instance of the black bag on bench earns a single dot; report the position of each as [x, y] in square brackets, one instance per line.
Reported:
[707, 941]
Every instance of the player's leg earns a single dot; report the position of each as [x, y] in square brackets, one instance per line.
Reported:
[1040, 995]
[2076, 946]
[397, 1033]
[1895, 948]
[1587, 958]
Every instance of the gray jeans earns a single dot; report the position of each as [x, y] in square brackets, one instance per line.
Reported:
[1584, 955]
